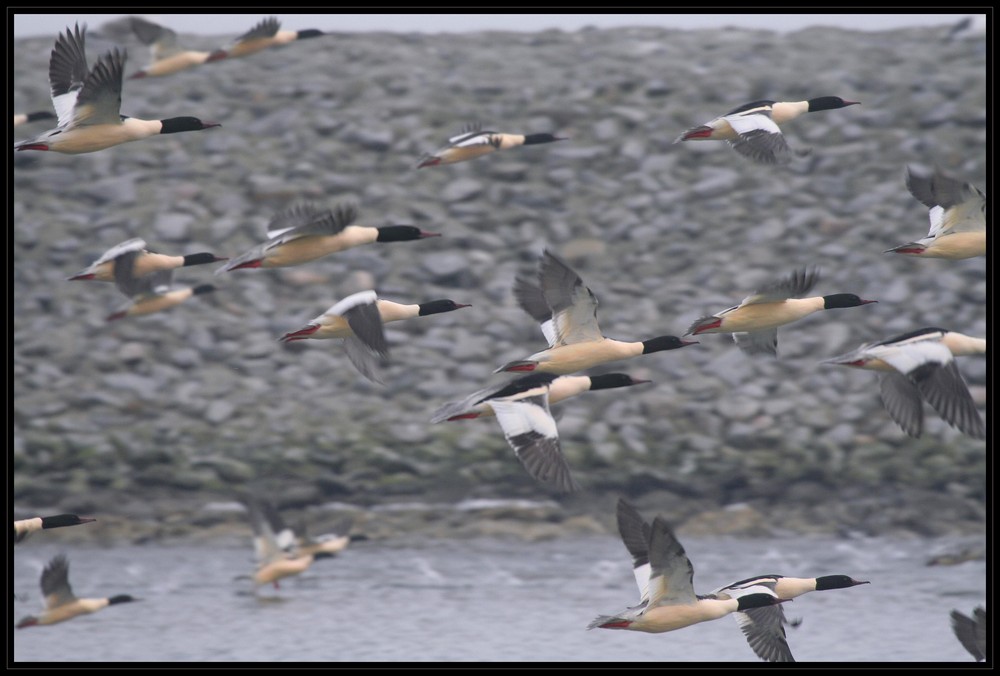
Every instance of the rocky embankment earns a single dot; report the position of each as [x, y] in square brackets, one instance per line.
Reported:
[155, 423]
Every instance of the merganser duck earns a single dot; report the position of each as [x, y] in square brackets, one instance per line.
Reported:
[665, 577]
[358, 320]
[277, 554]
[971, 631]
[921, 364]
[146, 261]
[151, 292]
[88, 103]
[168, 57]
[264, 35]
[25, 118]
[764, 627]
[752, 129]
[477, 404]
[60, 602]
[567, 311]
[522, 409]
[306, 232]
[23, 528]
[474, 142]
[301, 544]
[957, 214]
[754, 322]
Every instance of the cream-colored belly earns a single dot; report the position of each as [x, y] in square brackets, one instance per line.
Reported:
[303, 250]
[281, 569]
[669, 618]
[761, 316]
[957, 245]
[177, 62]
[159, 303]
[567, 359]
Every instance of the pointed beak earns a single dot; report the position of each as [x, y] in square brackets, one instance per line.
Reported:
[866, 302]
[429, 162]
[685, 343]
[85, 519]
[459, 306]
[424, 234]
[639, 381]
[209, 125]
[852, 103]
[80, 277]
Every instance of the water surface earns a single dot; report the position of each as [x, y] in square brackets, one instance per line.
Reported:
[486, 600]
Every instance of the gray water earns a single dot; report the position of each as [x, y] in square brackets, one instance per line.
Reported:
[486, 600]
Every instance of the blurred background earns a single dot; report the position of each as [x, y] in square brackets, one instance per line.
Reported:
[157, 424]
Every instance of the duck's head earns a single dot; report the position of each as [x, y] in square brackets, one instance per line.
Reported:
[535, 139]
[830, 103]
[837, 582]
[402, 233]
[436, 306]
[842, 300]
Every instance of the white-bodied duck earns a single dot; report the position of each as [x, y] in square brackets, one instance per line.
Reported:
[88, 103]
[358, 320]
[957, 214]
[567, 312]
[474, 141]
[145, 261]
[477, 404]
[521, 406]
[754, 322]
[167, 56]
[22, 528]
[152, 292]
[752, 129]
[665, 578]
[264, 35]
[921, 365]
[275, 546]
[60, 602]
[305, 232]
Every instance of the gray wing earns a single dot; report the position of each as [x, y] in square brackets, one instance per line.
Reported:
[366, 361]
[267, 519]
[574, 306]
[635, 532]
[939, 189]
[466, 405]
[366, 322]
[100, 99]
[265, 29]
[134, 244]
[945, 390]
[764, 629]
[762, 146]
[67, 71]
[902, 401]
[671, 579]
[971, 633]
[795, 285]
[162, 41]
[758, 342]
[304, 220]
[130, 285]
[531, 299]
[530, 430]
[55, 583]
